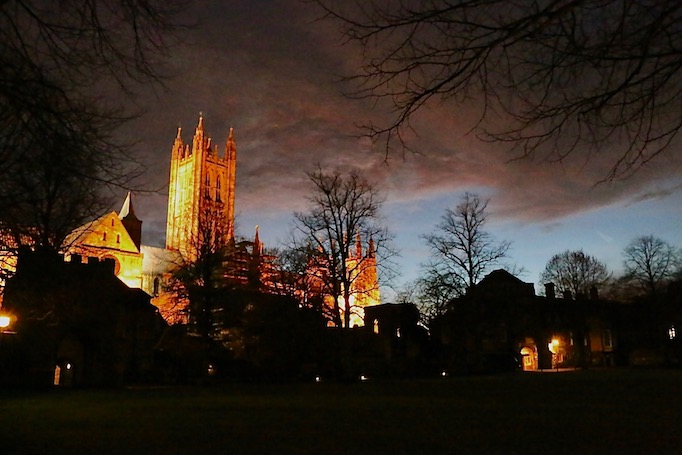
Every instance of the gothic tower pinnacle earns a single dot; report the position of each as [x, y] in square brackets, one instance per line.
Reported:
[202, 183]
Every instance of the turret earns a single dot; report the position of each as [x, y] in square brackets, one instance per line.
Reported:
[131, 222]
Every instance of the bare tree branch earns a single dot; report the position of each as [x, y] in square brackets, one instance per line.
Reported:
[565, 76]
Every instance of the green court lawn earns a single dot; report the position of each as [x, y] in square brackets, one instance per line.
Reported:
[583, 412]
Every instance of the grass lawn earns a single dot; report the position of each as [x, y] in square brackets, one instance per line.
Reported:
[588, 412]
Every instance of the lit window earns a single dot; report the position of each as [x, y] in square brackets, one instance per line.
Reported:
[672, 332]
[607, 339]
[376, 326]
[397, 332]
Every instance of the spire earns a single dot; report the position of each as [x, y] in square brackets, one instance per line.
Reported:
[257, 245]
[358, 246]
[179, 135]
[371, 251]
[230, 146]
[132, 224]
[127, 210]
[200, 125]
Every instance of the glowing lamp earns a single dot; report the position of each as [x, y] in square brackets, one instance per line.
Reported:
[554, 346]
[4, 321]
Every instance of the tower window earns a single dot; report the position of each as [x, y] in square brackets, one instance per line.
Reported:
[104, 236]
[118, 238]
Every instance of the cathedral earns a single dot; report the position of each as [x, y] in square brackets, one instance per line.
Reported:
[201, 208]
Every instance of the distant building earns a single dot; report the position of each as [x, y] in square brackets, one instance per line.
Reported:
[201, 208]
[501, 324]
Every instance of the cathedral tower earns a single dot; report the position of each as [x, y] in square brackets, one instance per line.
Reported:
[202, 182]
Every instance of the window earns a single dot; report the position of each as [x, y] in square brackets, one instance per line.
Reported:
[672, 332]
[156, 286]
[104, 237]
[607, 340]
[376, 326]
[118, 238]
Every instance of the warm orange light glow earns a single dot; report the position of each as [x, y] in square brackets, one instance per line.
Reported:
[554, 346]
[4, 321]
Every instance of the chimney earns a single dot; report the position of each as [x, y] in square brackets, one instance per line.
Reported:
[550, 292]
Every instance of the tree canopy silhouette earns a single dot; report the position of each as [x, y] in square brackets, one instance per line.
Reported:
[63, 66]
[574, 272]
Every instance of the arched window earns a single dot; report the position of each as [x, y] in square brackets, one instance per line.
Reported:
[104, 236]
[118, 238]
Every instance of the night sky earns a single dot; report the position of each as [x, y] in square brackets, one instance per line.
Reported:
[272, 71]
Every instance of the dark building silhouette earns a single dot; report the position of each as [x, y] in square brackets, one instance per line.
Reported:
[77, 324]
[501, 324]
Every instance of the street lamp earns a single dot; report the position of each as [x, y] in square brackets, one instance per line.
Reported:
[554, 349]
[4, 322]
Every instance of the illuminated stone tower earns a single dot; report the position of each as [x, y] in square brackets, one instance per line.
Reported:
[201, 181]
[365, 284]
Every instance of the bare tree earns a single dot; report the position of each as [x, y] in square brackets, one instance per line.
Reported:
[296, 276]
[341, 208]
[650, 262]
[57, 148]
[574, 272]
[552, 77]
[462, 250]
[208, 268]
[433, 293]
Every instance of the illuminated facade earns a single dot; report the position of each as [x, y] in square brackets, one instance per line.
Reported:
[114, 236]
[201, 182]
[364, 282]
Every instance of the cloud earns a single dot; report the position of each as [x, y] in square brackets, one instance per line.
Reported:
[271, 71]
